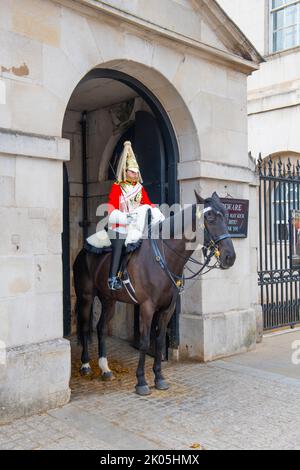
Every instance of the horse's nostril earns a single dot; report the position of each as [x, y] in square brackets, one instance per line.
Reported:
[230, 260]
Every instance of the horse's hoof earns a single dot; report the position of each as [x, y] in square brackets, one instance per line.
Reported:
[161, 385]
[107, 376]
[142, 390]
[85, 371]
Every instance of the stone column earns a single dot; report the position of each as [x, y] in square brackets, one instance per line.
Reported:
[35, 359]
[221, 315]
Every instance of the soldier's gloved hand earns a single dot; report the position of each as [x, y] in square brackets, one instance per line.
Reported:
[131, 217]
[117, 217]
[157, 215]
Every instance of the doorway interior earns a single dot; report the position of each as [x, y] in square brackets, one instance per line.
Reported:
[107, 108]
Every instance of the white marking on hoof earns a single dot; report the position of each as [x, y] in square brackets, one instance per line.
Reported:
[85, 366]
[103, 364]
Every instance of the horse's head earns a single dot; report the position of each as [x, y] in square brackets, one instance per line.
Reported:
[216, 231]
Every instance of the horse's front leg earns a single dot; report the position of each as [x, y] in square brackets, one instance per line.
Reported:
[163, 321]
[108, 310]
[146, 315]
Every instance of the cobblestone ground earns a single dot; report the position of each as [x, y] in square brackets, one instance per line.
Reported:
[221, 405]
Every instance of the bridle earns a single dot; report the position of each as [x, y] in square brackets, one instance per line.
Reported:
[216, 212]
[210, 249]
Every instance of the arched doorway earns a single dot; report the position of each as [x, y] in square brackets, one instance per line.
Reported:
[107, 108]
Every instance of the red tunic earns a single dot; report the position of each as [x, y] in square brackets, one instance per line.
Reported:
[115, 197]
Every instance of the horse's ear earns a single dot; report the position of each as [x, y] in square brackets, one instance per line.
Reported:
[199, 199]
[216, 197]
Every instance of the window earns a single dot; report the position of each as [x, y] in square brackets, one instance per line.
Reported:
[285, 24]
[285, 198]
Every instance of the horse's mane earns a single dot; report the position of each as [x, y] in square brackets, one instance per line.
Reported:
[178, 219]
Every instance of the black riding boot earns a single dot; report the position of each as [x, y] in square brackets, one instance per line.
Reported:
[114, 282]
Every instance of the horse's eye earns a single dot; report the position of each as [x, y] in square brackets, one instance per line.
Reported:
[211, 216]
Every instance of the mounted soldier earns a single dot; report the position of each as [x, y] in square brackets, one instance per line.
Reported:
[157, 272]
[127, 204]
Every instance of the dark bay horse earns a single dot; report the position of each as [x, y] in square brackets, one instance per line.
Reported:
[156, 289]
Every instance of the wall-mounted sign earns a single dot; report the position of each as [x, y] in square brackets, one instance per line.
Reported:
[237, 216]
[295, 239]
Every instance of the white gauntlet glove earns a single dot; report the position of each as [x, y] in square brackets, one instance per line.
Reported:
[157, 215]
[118, 217]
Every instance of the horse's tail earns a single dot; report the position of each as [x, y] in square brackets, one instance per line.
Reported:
[78, 320]
[81, 280]
[78, 329]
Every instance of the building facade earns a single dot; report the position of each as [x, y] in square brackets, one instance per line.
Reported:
[273, 124]
[273, 92]
[77, 77]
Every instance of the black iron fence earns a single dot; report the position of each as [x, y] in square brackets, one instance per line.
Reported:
[279, 274]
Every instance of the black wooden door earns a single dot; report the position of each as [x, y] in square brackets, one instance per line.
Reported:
[149, 148]
[150, 153]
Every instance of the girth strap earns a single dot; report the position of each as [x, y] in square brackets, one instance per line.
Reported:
[128, 285]
[126, 281]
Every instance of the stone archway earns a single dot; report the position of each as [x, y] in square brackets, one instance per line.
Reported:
[166, 97]
[170, 144]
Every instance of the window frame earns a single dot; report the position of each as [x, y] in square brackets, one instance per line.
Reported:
[272, 32]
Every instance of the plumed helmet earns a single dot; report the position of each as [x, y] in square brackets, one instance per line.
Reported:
[127, 162]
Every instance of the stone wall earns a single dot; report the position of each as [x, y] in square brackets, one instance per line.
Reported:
[224, 309]
[251, 17]
[274, 105]
[37, 369]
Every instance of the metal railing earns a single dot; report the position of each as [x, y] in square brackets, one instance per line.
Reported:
[278, 279]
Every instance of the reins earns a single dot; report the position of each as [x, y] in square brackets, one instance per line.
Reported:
[211, 249]
[179, 281]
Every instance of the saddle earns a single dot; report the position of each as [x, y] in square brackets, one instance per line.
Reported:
[100, 243]
[126, 254]
[130, 248]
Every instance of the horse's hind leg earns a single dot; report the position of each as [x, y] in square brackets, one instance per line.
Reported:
[85, 306]
[108, 309]
[163, 321]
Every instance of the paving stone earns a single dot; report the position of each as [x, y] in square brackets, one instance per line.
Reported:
[222, 405]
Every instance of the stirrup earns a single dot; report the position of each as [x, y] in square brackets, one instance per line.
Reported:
[115, 283]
